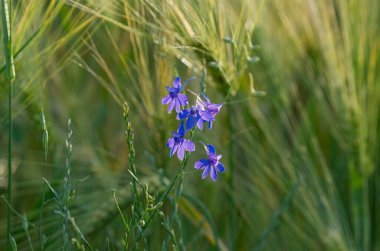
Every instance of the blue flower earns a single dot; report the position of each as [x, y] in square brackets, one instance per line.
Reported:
[208, 110]
[192, 116]
[175, 99]
[179, 144]
[211, 165]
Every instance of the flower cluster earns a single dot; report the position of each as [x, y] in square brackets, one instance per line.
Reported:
[192, 117]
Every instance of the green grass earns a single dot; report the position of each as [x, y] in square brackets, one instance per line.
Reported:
[10, 72]
[302, 162]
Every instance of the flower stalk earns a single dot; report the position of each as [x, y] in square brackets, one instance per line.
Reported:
[6, 20]
[163, 198]
[190, 118]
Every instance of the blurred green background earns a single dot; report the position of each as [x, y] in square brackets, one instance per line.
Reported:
[302, 162]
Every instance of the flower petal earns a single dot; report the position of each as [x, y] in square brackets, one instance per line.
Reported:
[173, 150]
[190, 123]
[181, 152]
[209, 124]
[171, 105]
[188, 145]
[211, 148]
[177, 105]
[220, 167]
[177, 82]
[183, 99]
[166, 100]
[206, 115]
[214, 174]
[206, 171]
[201, 164]
[170, 143]
[200, 124]
[214, 108]
[181, 128]
[183, 114]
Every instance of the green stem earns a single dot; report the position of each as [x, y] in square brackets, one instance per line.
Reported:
[163, 197]
[177, 195]
[45, 139]
[180, 184]
[24, 46]
[6, 20]
[10, 132]
[40, 236]
[231, 164]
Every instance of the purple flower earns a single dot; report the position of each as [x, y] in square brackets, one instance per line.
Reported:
[208, 110]
[192, 116]
[179, 144]
[211, 165]
[175, 98]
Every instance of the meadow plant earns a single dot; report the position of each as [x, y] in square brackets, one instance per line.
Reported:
[202, 112]
[6, 7]
[63, 202]
[143, 205]
[303, 163]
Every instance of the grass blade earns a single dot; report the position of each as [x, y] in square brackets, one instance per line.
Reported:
[6, 19]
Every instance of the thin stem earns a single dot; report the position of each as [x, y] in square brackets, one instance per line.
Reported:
[28, 237]
[6, 20]
[163, 197]
[40, 236]
[180, 185]
[177, 195]
[23, 46]
[132, 154]
[10, 133]
[45, 139]
[233, 212]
